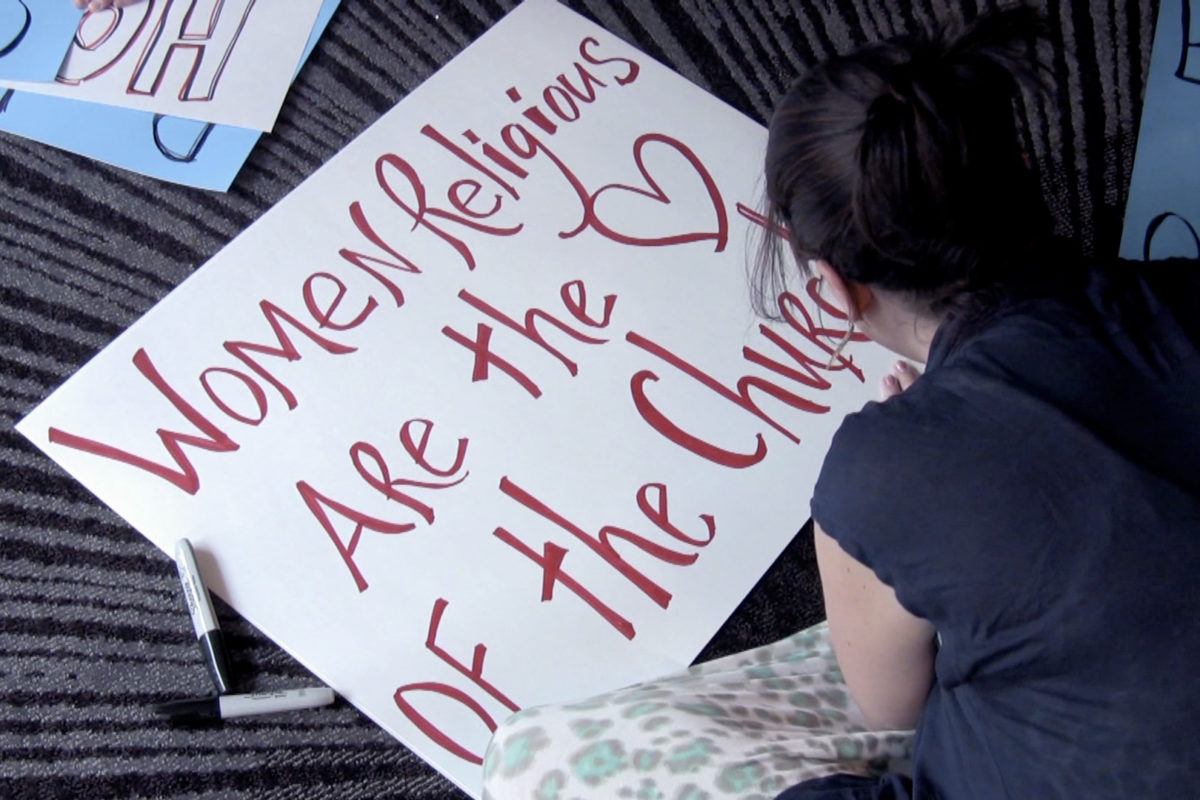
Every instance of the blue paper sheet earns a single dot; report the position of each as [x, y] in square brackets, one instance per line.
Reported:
[34, 37]
[179, 150]
[1162, 215]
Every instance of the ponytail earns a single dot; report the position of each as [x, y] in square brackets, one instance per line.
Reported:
[901, 164]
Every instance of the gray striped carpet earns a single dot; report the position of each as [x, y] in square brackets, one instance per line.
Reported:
[91, 623]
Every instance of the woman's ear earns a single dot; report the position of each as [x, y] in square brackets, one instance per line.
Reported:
[854, 297]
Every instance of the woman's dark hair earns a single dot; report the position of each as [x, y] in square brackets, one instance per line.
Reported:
[901, 165]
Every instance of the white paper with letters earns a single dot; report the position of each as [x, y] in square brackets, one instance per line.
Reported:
[224, 61]
[478, 416]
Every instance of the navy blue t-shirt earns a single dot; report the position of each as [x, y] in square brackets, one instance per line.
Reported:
[1036, 497]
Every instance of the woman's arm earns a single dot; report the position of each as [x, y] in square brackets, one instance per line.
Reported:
[885, 653]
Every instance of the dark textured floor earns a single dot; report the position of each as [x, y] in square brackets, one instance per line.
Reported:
[92, 628]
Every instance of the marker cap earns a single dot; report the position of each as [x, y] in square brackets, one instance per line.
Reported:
[191, 711]
[212, 644]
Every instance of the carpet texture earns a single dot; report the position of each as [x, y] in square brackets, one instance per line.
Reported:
[92, 628]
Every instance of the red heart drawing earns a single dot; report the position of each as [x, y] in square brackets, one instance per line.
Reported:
[654, 192]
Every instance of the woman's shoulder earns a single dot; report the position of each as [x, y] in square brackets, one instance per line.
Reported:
[981, 363]
[890, 455]
[1141, 291]
[1024, 380]
[1088, 313]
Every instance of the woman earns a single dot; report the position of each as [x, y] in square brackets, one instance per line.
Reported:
[1007, 542]
[1033, 499]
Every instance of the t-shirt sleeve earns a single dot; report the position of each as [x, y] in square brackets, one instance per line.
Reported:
[872, 494]
[920, 489]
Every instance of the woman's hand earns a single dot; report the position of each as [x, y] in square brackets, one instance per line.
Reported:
[902, 376]
[100, 5]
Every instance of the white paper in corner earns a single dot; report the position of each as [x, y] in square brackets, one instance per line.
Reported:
[229, 62]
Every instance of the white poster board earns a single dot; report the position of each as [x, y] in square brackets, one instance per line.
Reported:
[479, 417]
[224, 61]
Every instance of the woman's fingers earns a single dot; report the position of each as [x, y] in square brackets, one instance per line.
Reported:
[902, 376]
[905, 373]
[100, 5]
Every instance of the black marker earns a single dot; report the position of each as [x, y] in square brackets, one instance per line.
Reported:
[208, 635]
[200, 710]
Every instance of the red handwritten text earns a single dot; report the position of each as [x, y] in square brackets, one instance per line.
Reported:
[574, 299]
[370, 465]
[474, 674]
[652, 501]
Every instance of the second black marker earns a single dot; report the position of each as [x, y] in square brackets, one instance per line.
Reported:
[204, 620]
